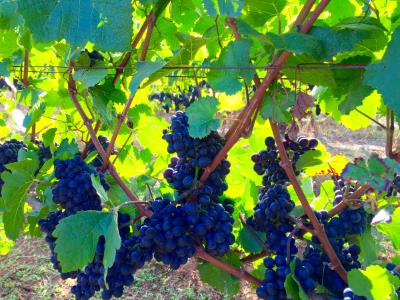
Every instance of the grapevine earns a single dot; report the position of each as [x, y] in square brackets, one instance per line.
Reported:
[153, 132]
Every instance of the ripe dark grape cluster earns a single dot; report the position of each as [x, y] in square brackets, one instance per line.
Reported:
[74, 191]
[193, 156]
[348, 294]
[44, 153]
[98, 161]
[167, 233]
[266, 162]
[394, 187]
[9, 154]
[271, 215]
[181, 99]
[94, 57]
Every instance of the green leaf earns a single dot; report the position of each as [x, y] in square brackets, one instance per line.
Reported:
[230, 8]
[277, 108]
[108, 91]
[374, 283]
[9, 17]
[48, 138]
[376, 171]
[90, 77]
[228, 80]
[102, 105]
[260, 11]
[392, 229]
[99, 21]
[384, 75]
[78, 235]
[99, 188]
[185, 55]
[309, 159]
[16, 186]
[8, 43]
[297, 42]
[248, 242]
[354, 98]
[201, 116]
[26, 39]
[34, 114]
[66, 150]
[369, 248]
[293, 286]
[228, 284]
[144, 70]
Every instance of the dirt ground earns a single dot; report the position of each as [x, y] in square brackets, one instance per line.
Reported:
[26, 272]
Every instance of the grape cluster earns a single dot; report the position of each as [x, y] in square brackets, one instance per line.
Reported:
[193, 156]
[167, 233]
[181, 99]
[94, 56]
[104, 142]
[394, 187]
[9, 154]
[348, 294]
[354, 221]
[43, 152]
[271, 215]
[74, 191]
[266, 162]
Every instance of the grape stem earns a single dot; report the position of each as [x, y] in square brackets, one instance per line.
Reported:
[239, 273]
[151, 19]
[72, 91]
[253, 257]
[25, 82]
[389, 134]
[319, 231]
[342, 205]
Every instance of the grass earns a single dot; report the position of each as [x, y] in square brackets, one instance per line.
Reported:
[26, 273]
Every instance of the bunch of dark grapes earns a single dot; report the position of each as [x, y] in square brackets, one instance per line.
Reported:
[98, 161]
[193, 156]
[9, 154]
[47, 226]
[74, 191]
[315, 257]
[353, 220]
[271, 216]
[181, 99]
[43, 152]
[167, 232]
[348, 294]
[212, 225]
[128, 259]
[266, 162]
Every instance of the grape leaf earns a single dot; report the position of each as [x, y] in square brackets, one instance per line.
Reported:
[391, 229]
[368, 247]
[99, 188]
[376, 171]
[201, 116]
[297, 42]
[184, 56]
[354, 98]
[384, 75]
[374, 282]
[248, 242]
[48, 138]
[231, 8]
[276, 109]
[228, 80]
[102, 105]
[90, 77]
[218, 278]
[102, 22]
[144, 70]
[309, 159]
[78, 235]
[34, 114]
[260, 11]
[66, 150]
[9, 17]
[8, 43]
[14, 192]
